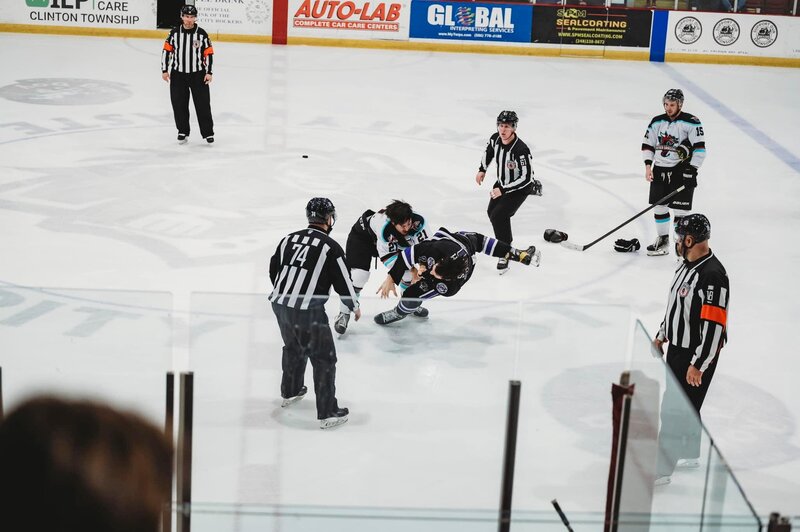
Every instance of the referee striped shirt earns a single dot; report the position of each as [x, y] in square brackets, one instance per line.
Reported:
[697, 310]
[303, 268]
[513, 161]
[187, 51]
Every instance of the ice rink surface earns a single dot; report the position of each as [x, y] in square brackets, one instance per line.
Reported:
[96, 195]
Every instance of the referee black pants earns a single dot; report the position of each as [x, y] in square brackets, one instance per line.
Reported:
[180, 85]
[681, 430]
[307, 335]
[502, 208]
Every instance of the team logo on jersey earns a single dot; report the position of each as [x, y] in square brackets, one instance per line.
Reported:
[666, 142]
[511, 165]
[684, 290]
[441, 288]
[764, 33]
[196, 44]
[431, 261]
[726, 32]
[423, 286]
[688, 30]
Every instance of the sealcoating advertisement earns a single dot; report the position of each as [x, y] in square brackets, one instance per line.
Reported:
[593, 26]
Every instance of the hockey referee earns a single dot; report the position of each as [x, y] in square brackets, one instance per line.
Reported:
[302, 270]
[186, 64]
[695, 326]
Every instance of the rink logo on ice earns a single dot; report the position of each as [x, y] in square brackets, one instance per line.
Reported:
[688, 30]
[431, 20]
[65, 91]
[726, 32]
[333, 14]
[764, 33]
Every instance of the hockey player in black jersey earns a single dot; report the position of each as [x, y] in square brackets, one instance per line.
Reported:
[673, 150]
[380, 234]
[514, 182]
[441, 266]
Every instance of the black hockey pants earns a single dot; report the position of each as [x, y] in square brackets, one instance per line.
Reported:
[681, 431]
[307, 335]
[179, 87]
[501, 210]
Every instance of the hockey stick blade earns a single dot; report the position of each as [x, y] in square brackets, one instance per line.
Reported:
[569, 245]
[577, 247]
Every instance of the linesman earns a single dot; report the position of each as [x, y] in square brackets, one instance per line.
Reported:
[695, 326]
[514, 182]
[186, 64]
[302, 270]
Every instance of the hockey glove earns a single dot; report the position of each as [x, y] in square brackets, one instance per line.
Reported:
[537, 188]
[689, 176]
[554, 235]
[625, 246]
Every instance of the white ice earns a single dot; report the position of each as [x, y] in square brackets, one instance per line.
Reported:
[99, 204]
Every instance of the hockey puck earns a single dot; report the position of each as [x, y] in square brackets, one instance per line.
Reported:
[305, 156]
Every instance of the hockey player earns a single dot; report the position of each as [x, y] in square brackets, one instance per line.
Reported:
[441, 266]
[675, 142]
[514, 182]
[380, 234]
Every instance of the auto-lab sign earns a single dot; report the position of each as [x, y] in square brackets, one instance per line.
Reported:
[471, 21]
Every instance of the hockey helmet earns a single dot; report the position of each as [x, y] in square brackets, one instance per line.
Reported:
[508, 117]
[189, 10]
[695, 225]
[674, 95]
[319, 210]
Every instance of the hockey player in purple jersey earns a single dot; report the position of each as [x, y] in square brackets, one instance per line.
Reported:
[441, 266]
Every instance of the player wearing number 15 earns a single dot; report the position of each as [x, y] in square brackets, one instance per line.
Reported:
[673, 149]
[302, 270]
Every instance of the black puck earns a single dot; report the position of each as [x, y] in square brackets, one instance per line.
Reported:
[305, 156]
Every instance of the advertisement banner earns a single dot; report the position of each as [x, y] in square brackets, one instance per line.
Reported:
[593, 26]
[235, 17]
[129, 14]
[733, 34]
[348, 19]
[471, 21]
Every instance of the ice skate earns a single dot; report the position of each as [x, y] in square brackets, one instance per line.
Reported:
[210, 139]
[183, 139]
[340, 323]
[531, 257]
[390, 316]
[659, 247]
[502, 265]
[688, 463]
[420, 312]
[289, 400]
[337, 417]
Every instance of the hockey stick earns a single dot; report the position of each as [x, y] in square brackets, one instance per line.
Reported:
[561, 515]
[577, 247]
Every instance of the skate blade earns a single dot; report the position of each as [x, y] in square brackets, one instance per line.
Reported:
[332, 422]
[657, 252]
[503, 271]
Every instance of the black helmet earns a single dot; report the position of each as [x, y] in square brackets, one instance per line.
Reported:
[189, 10]
[696, 225]
[319, 209]
[674, 95]
[508, 117]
